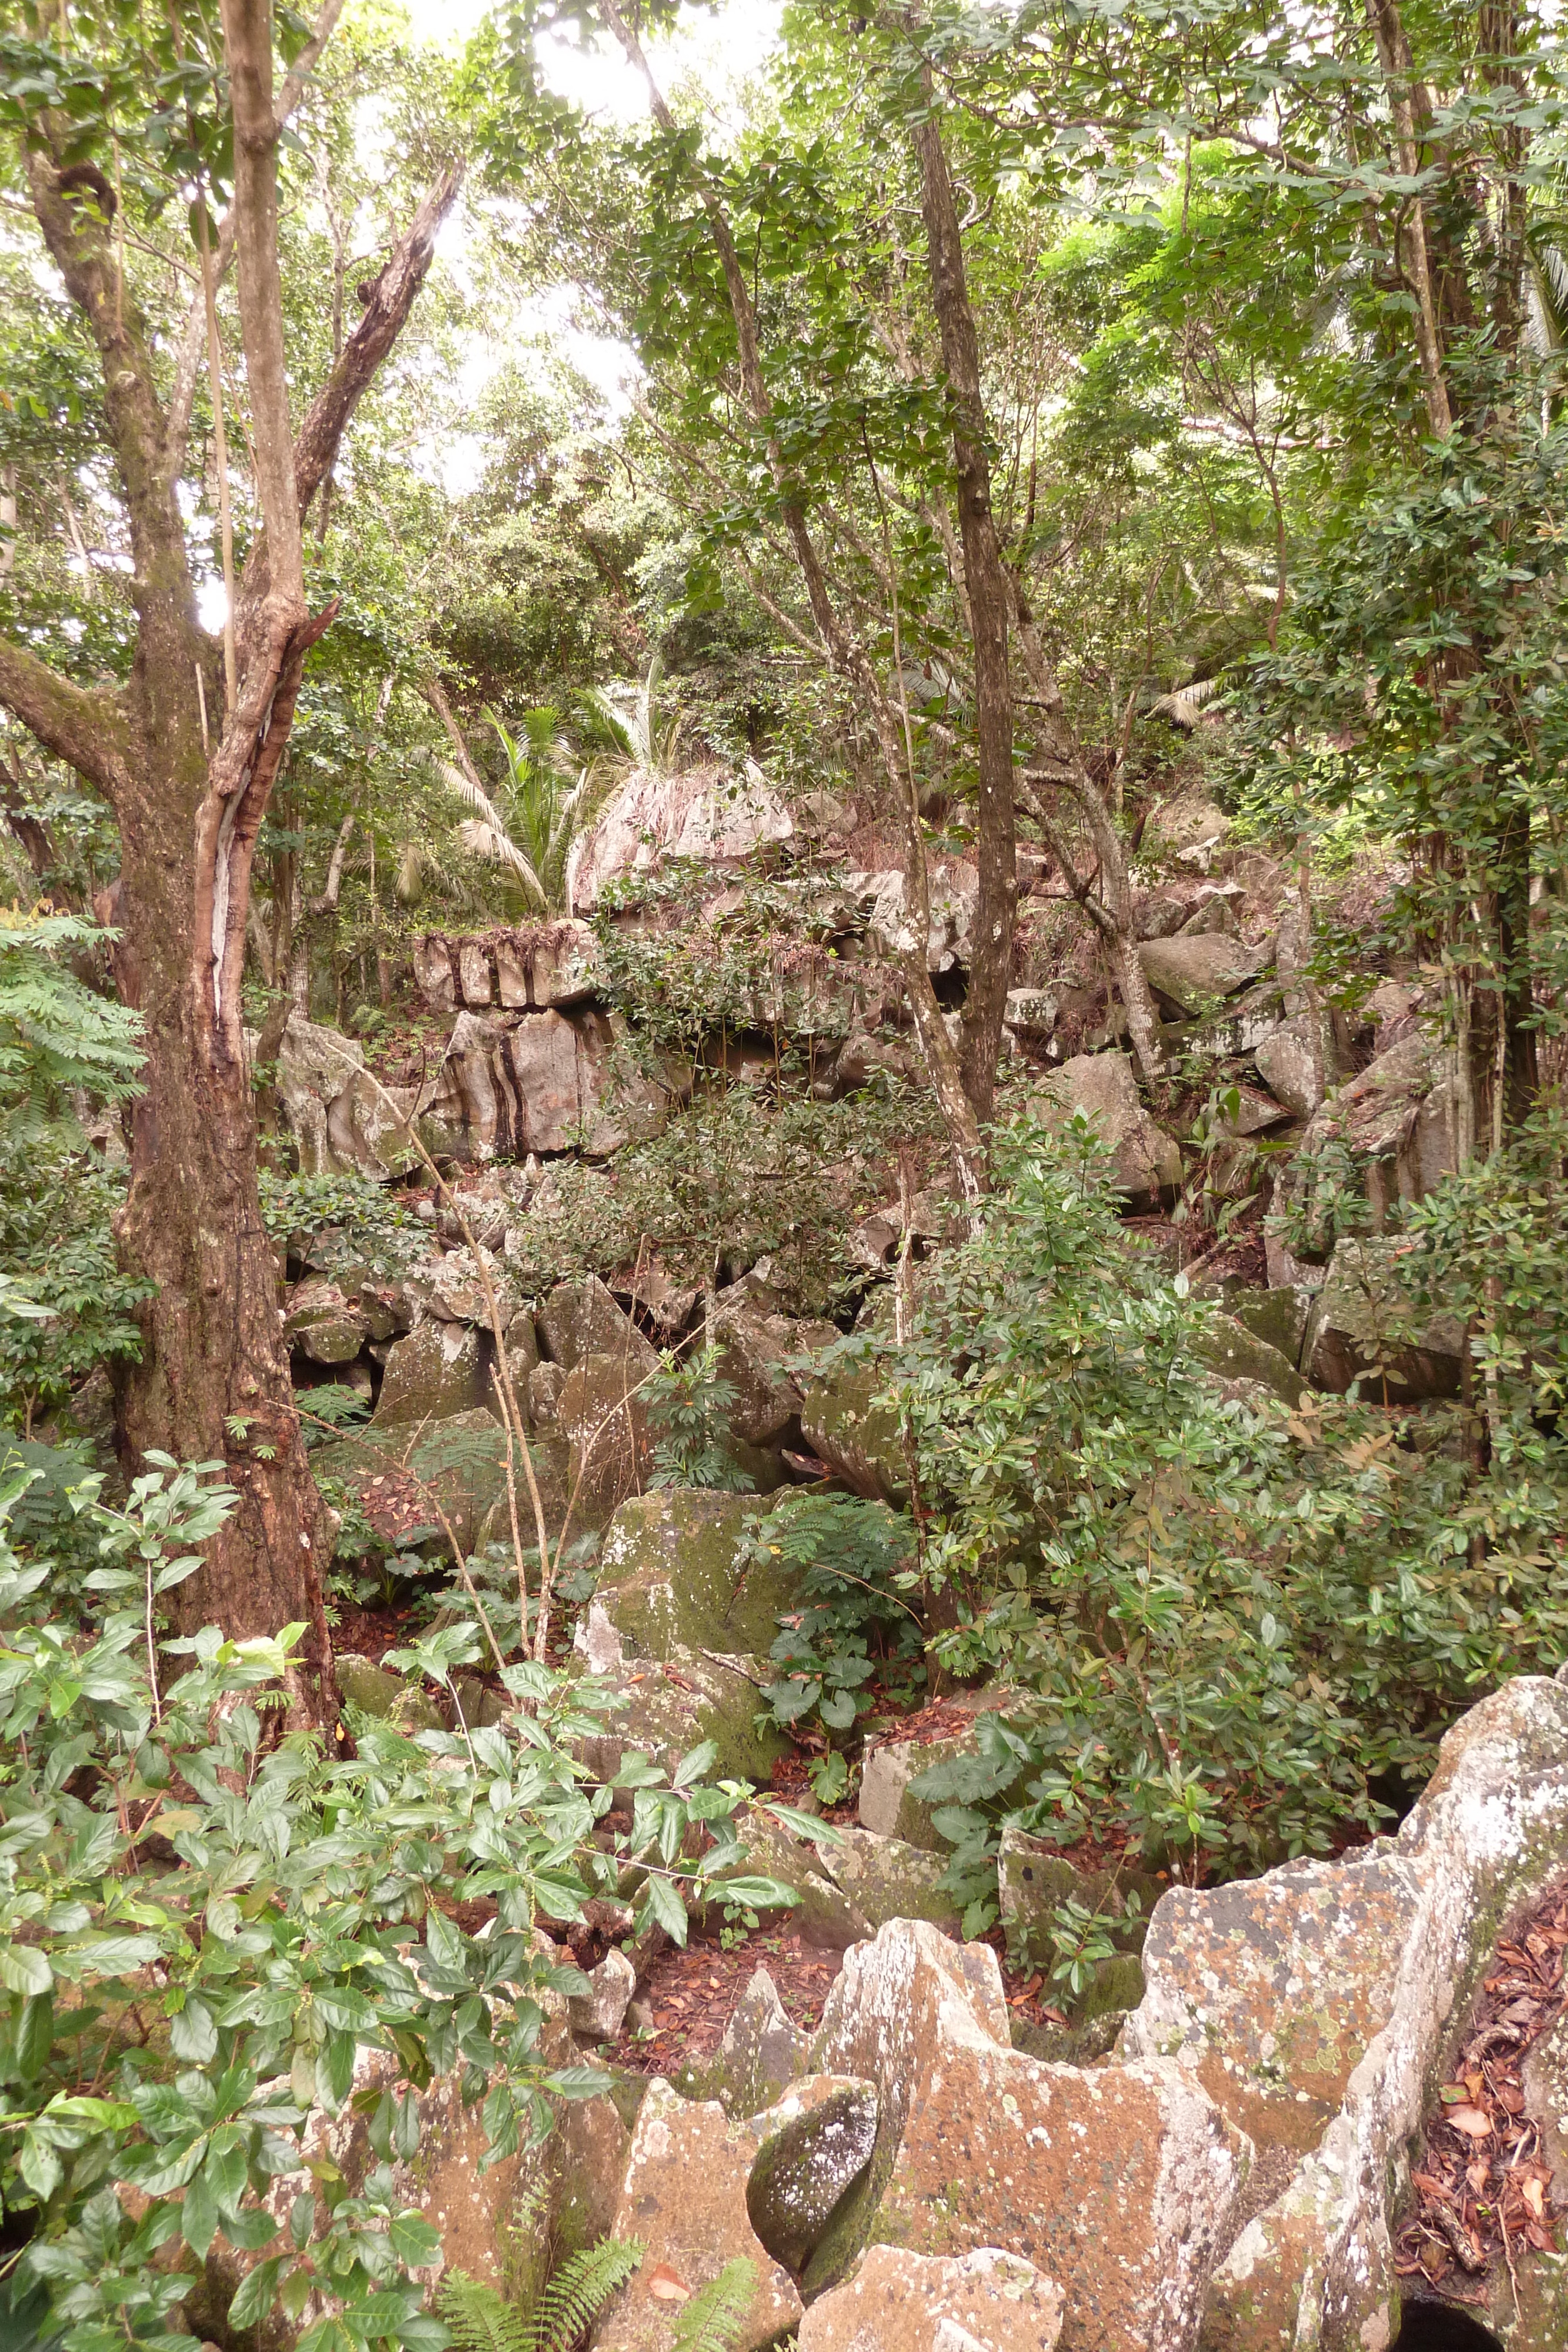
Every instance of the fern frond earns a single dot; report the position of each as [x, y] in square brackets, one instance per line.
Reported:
[579, 2293]
[480, 2319]
[713, 2320]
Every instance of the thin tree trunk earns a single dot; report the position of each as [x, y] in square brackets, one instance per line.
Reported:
[985, 579]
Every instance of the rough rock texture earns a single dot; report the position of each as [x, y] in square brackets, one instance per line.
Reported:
[673, 1706]
[385, 1696]
[706, 812]
[812, 2149]
[754, 1348]
[853, 1434]
[460, 1461]
[605, 1421]
[1241, 1357]
[320, 1323]
[1187, 823]
[891, 1802]
[684, 2197]
[1284, 1063]
[343, 1122]
[1319, 2003]
[898, 2301]
[673, 1572]
[538, 1082]
[581, 1318]
[1359, 1329]
[761, 2053]
[437, 1371]
[1398, 1120]
[1119, 2181]
[1194, 968]
[1278, 1316]
[955, 894]
[599, 2015]
[1145, 1161]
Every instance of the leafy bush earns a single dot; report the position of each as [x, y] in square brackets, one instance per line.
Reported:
[849, 1557]
[1226, 1624]
[57, 1037]
[57, 1241]
[689, 1402]
[175, 2031]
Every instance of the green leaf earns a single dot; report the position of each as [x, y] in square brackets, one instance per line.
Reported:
[24, 1969]
[192, 2035]
[199, 2217]
[664, 1905]
[35, 2035]
[414, 2240]
[257, 2293]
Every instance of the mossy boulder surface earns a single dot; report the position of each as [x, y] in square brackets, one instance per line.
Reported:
[675, 1572]
[673, 1707]
[460, 1462]
[847, 1429]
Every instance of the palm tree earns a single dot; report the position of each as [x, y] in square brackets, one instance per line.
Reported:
[649, 739]
[536, 824]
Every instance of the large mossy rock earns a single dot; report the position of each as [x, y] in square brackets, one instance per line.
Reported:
[1239, 1356]
[1363, 1328]
[437, 1371]
[675, 1572]
[857, 1437]
[602, 1414]
[663, 1709]
[457, 1464]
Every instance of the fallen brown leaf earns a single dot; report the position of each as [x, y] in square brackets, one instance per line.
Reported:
[666, 2285]
[1471, 2121]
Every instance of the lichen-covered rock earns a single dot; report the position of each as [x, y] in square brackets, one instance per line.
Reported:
[989, 2301]
[436, 1371]
[1284, 1063]
[581, 1318]
[1362, 1330]
[685, 2198]
[342, 1121]
[546, 1382]
[1195, 967]
[761, 2053]
[1146, 1162]
[1237, 1354]
[599, 2014]
[1396, 1119]
[754, 1348]
[1119, 2181]
[887, 1878]
[320, 1323]
[451, 1289]
[385, 1696]
[1315, 2265]
[604, 1418]
[1278, 1316]
[672, 1707]
[859, 1438]
[893, 1804]
[549, 1081]
[675, 1572]
[812, 2148]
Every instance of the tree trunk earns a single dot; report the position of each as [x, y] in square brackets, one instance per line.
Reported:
[985, 578]
[212, 1384]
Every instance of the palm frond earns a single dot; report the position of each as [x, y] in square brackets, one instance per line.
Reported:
[579, 2293]
[713, 2320]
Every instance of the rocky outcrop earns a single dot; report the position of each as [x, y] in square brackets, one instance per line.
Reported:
[675, 1572]
[538, 1082]
[1118, 2182]
[1396, 1121]
[1317, 2005]
[344, 1122]
[706, 812]
[1145, 1163]
[1363, 1329]
[899, 2302]
[545, 967]
[1195, 967]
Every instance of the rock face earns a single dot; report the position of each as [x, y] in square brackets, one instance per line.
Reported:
[754, 1348]
[1396, 1119]
[1245, 1361]
[581, 1318]
[1284, 1063]
[673, 1572]
[812, 2149]
[539, 1082]
[343, 1122]
[672, 1707]
[954, 895]
[321, 1324]
[597, 2015]
[605, 1421]
[547, 966]
[1359, 1331]
[1145, 1163]
[898, 2301]
[1118, 2182]
[1192, 969]
[1319, 2003]
[684, 2197]
[706, 813]
[845, 1428]
[437, 1371]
